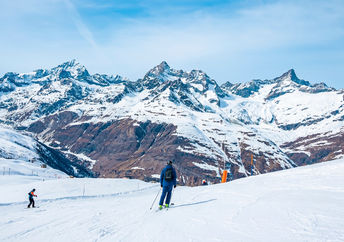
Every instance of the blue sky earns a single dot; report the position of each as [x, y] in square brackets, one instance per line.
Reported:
[230, 40]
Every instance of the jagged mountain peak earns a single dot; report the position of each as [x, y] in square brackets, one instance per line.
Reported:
[163, 76]
[71, 68]
[159, 69]
[163, 72]
[75, 70]
[290, 75]
[163, 66]
[71, 64]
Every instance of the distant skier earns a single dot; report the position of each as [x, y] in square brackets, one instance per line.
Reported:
[31, 195]
[204, 182]
[168, 180]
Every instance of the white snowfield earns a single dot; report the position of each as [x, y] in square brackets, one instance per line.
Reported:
[300, 204]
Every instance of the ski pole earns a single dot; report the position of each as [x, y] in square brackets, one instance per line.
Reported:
[155, 198]
[172, 196]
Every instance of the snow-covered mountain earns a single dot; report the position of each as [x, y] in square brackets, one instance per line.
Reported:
[121, 128]
[22, 155]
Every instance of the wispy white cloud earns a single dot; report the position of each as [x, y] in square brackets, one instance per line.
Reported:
[81, 26]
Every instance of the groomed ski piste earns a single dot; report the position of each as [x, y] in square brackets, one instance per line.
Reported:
[299, 204]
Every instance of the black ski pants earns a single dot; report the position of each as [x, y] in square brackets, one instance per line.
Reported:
[31, 202]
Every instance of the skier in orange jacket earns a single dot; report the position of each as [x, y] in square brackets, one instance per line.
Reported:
[31, 195]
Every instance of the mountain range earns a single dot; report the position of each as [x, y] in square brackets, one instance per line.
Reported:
[109, 126]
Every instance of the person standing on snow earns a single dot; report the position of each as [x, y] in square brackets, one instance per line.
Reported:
[31, 195]
[168, 180]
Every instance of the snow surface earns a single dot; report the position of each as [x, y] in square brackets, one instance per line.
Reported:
[11, 167]
[14, 145]
[300, 204]
[18, 156]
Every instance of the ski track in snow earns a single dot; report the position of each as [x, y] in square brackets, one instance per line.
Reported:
[300, 204]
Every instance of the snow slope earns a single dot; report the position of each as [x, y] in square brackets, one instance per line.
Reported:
[301, 204]
[16, 146]
[19, 156]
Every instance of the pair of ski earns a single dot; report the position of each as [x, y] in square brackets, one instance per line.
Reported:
[32, 207]
[165, 208]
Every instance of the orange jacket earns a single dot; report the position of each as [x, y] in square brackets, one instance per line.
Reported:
[31, 194]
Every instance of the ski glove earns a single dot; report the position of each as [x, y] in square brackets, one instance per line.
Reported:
[175, 186]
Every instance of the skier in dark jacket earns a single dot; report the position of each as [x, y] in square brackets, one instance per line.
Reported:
[168, 180]
[31, 195]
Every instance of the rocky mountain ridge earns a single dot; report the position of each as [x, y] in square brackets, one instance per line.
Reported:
[287, 82]
[120, 128]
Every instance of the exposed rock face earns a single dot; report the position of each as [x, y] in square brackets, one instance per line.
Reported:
[120, 145]
[126, 148]
[59, 161]
[113, 127]
[319, 149]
